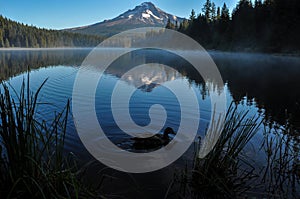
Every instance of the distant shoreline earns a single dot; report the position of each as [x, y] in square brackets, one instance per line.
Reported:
[296, 54]
[54, 48]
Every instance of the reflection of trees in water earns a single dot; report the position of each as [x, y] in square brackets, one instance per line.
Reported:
[273, 82]
[15, 62]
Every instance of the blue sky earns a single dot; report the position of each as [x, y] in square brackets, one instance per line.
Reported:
[58, 14]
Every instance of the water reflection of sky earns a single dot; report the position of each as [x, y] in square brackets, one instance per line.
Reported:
[264, 84]
[142, 99]
[261, 84]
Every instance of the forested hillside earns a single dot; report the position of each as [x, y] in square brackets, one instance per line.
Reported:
[14, 34]
[260, 25]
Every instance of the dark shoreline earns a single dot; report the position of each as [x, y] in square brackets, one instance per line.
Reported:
[277, 54]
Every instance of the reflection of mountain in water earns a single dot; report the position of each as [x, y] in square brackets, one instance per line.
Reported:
[148, 87]
[149, 76]
[271, 82]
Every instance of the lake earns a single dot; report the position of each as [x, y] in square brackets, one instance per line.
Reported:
[266, 85]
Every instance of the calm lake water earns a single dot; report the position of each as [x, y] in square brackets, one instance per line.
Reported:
[266, 85]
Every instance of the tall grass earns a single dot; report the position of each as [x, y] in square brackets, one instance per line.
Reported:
[281, 174]
[32, 159]
[225, 172]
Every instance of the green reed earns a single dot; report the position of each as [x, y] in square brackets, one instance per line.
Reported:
[226, 171]
[32, 159]
[281, 174]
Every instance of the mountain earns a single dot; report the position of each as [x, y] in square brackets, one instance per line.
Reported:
[144, 15]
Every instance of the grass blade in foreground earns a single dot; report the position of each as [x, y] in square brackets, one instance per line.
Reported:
[32, 163]
[225, 172]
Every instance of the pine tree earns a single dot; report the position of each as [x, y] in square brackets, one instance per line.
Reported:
[207, 10]
[170, 25]
[257, 3]
[1, 42]
[1, 38]
[184, 25]
[225, 13]
[244, 3]
[213, 12]
[193, 15]
[6, 44]
[20, 35]
[218, 14]
[26, 42]
[18, 43]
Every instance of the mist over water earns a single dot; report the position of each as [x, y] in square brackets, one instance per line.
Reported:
[267, 85]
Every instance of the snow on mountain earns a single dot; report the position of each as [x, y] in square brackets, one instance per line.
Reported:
[148, 13]
[144, 15]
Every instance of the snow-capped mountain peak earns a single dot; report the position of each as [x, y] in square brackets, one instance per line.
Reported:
[143, 15]
[148, 13]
